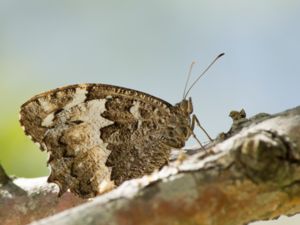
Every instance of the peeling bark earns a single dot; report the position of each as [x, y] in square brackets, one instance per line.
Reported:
[25, 200]
[254, 174]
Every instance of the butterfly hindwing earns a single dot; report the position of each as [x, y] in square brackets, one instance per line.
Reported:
[99, 135]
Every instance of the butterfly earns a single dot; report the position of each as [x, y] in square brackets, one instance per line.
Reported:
[100, 135]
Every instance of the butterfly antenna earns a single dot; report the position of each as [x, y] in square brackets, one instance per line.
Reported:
[207, 68]
[188, 77]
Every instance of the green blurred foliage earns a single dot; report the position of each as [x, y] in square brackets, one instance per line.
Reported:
[18, 154]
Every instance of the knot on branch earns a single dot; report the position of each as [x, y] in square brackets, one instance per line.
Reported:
[4, 178]
[267, 156]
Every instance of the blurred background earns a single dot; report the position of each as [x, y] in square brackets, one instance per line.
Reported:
[148, 46]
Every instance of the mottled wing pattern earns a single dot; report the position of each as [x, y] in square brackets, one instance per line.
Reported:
[100, 135]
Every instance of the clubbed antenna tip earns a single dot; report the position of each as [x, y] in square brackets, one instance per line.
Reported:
[220, 55]
[187, 92]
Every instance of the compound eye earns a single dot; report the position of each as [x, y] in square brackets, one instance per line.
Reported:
[182, 131]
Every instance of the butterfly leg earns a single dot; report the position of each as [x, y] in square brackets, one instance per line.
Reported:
[194, 136]
[196, 121]
[182, 154]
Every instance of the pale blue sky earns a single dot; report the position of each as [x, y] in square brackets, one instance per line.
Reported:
[148, 45]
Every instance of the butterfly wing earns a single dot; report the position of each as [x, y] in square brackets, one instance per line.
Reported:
[97, 135]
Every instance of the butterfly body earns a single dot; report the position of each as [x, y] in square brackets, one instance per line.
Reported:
[100, 135]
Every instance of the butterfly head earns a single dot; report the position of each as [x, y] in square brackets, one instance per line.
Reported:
[185, 106]
[178, 128]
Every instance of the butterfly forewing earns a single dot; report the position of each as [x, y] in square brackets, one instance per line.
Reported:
[101, 135]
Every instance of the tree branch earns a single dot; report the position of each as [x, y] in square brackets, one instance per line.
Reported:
[252, 175]
[24, 200]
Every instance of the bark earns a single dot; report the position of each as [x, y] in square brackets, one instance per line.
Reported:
[25, 200]
[254, 174]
